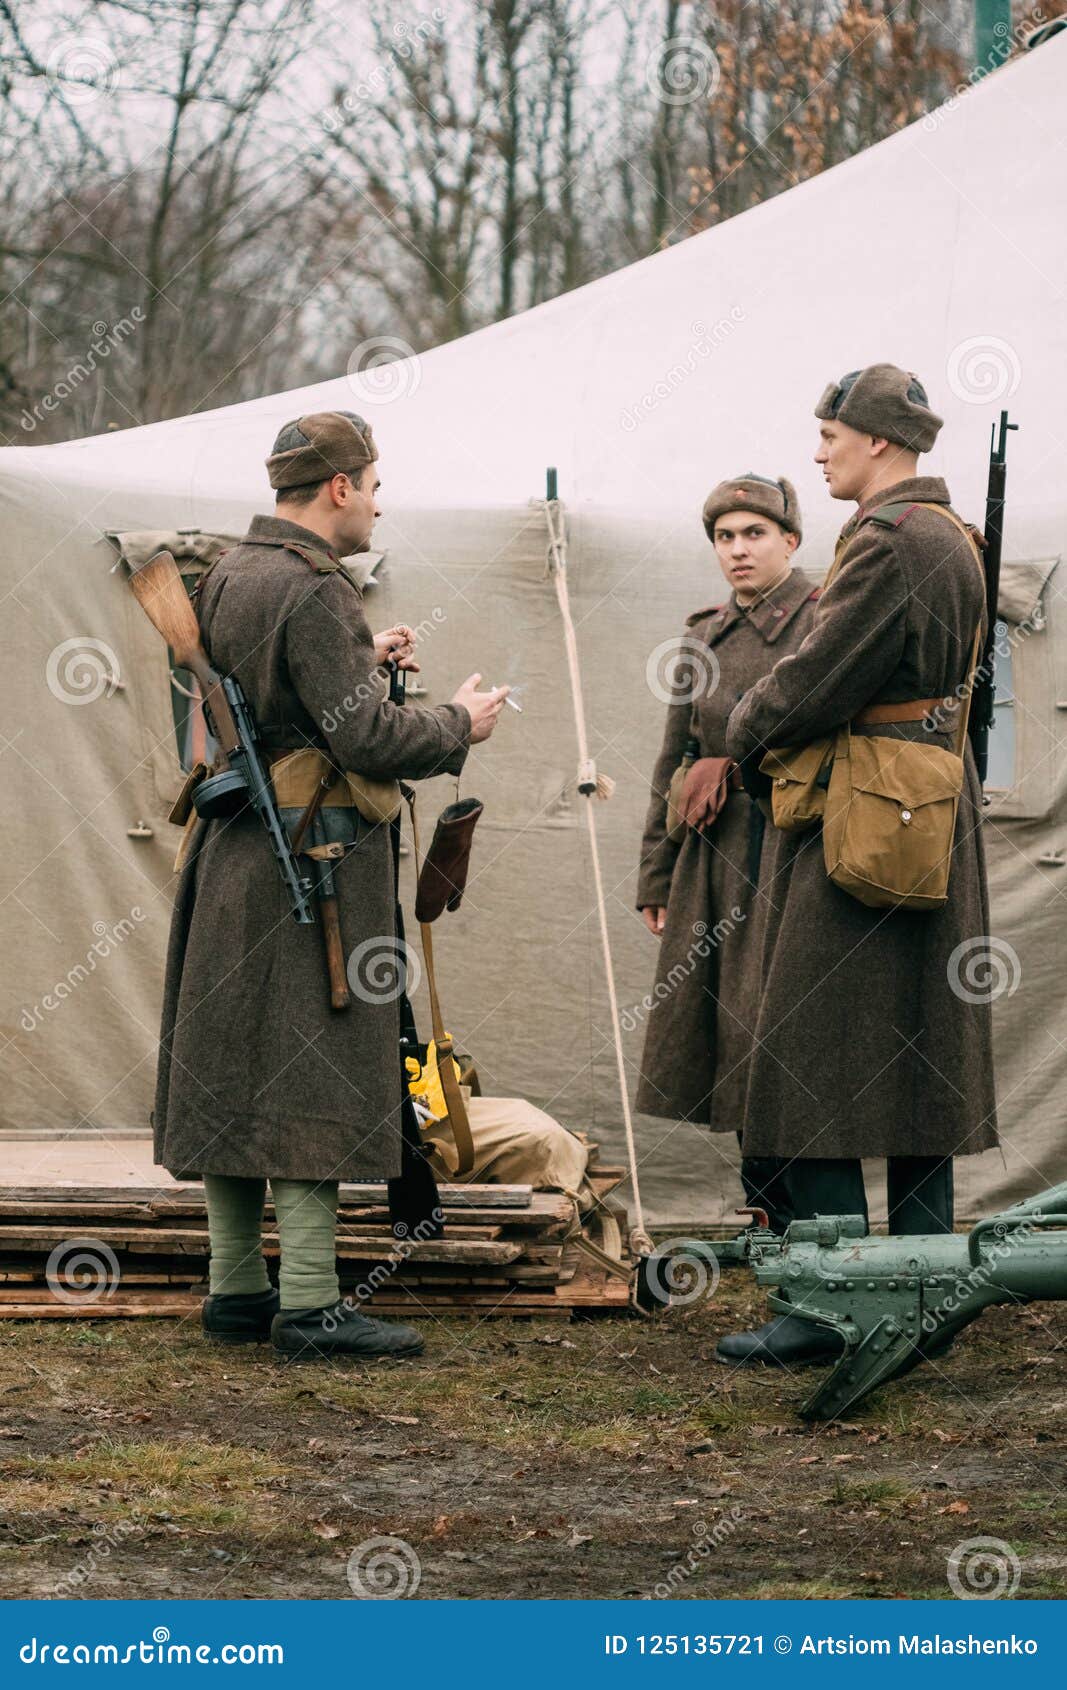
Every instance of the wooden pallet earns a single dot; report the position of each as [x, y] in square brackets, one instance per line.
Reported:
[504, 1252]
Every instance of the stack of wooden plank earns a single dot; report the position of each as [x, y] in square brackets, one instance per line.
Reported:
[79, 1251]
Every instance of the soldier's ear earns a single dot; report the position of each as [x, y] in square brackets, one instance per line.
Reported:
[792, 541]
[878, 445]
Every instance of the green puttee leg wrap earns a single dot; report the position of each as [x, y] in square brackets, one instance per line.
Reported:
[307, 1232]
[235, 1224]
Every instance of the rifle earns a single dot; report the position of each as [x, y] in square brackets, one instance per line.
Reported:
[983, 699]
[243, 778]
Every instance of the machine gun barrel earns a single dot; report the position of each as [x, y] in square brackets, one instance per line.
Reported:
[895, 1302]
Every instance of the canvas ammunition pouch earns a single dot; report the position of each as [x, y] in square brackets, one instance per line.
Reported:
[887, 806]
[296, 775]
[799, 775]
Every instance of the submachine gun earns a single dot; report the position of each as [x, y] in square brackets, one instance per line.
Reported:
[895, 1302]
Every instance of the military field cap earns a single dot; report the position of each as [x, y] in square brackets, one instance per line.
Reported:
[755, 493]
[883, 401]
[318, 446]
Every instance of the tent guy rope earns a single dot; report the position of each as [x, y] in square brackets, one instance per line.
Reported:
[591, 785]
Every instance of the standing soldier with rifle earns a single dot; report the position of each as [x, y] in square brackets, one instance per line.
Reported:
[265, 1072]
[867, 1044]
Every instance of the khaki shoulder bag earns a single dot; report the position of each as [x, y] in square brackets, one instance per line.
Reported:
[888, 806]
[890, 816]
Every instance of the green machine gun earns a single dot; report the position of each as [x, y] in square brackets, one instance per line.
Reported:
[895, 1302]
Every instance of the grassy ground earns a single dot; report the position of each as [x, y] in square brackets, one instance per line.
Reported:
[600, 1458]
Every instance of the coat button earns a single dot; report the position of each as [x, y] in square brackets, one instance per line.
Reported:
[905, 816]
[780, 781]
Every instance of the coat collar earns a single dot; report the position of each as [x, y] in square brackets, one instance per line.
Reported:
[917, 489]
[769, 615]
[278, 528]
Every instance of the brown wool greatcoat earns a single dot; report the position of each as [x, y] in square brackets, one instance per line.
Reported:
[865, 1047]
[257, 1075]
[703, 1007]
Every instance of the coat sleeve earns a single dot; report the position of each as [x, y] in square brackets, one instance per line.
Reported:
[330, 652]
[856, 642]
[658, 853]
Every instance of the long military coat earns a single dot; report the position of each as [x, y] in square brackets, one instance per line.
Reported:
[257, 1075]
[702, 1010]
[874, 1033]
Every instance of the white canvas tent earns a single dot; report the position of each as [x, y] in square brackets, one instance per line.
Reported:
[939, 249]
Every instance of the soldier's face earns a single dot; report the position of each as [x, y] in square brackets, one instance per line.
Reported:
[357, 508]
[846, 459]
[754, 553]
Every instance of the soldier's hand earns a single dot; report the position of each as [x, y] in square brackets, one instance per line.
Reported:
[484, 707]
[655, 916]
[397, 644]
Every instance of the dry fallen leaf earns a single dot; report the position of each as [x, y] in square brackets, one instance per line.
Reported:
[323, 1528]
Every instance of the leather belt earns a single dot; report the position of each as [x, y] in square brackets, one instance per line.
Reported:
[735, 779]
[911, 710]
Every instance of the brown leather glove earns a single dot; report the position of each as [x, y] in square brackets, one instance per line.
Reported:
[443, 875]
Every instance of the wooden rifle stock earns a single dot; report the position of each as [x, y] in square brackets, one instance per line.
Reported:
[160, 592]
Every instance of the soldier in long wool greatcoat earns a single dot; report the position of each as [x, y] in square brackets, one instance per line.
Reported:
[258, 1079]
[869, 1042]
[697, 891]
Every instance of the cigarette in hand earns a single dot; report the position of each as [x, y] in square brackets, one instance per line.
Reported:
[511, 701]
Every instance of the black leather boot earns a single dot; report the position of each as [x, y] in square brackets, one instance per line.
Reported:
[239, 1317]
[788, 1341]
[339, 1332]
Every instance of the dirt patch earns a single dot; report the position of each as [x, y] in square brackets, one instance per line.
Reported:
[602, 1458]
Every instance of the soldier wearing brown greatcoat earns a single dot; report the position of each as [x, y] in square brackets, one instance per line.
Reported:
[869, 1042]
